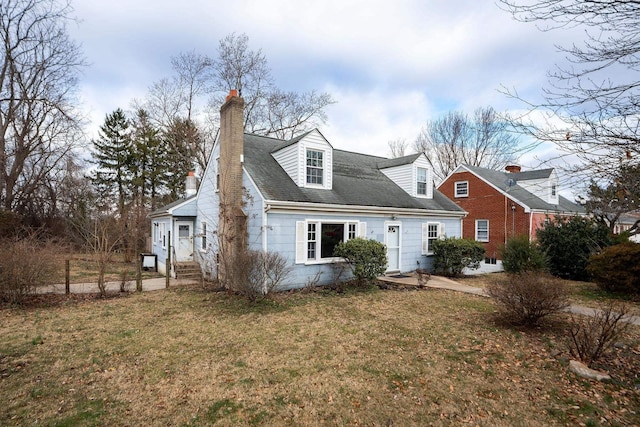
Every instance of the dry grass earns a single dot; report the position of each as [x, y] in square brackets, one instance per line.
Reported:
[189, 358]
[84, 269]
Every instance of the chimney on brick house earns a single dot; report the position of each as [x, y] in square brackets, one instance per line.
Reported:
[232, 229]
[191, 185]
[513, 168]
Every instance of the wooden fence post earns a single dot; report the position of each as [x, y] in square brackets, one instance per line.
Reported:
[168, 262]
[139, 276]
[67, 276]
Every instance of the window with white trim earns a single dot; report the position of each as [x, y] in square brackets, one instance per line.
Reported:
[431, 231]
[553, 192]
[461, 188]
[316, 240]
[482, 230]
[163, 235]
[315, 167]
[352, 231]
[217, 173]
[421, 181]
[203, 242]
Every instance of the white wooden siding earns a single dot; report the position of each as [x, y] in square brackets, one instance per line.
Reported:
[403, 177]
[288, 159]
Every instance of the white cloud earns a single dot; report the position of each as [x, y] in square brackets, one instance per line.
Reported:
[390, 65]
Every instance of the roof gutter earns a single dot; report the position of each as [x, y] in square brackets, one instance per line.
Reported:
[355, 209]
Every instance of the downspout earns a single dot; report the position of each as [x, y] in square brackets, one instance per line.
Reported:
[530, 225]
[265, 222]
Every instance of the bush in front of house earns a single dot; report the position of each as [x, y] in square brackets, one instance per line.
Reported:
[452, 255]
[367, 258]
[617, 268]
[568, 244]
[26, 263]
[256, 274]
[526, 298]
[520, 254]
[591, 337]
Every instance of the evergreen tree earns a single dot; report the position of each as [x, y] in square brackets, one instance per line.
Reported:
[150, 161]
[113, 157]
[181, 140]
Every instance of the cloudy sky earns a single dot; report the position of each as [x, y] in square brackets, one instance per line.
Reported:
[390, 65]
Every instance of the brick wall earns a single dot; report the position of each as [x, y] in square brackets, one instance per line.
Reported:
[485, 202]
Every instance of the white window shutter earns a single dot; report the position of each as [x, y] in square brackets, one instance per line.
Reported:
[301, 242]
[425, 237]
[362, 230]
[442, 232]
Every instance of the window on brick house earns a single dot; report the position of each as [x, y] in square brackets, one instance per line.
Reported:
[482, 230]
[461, 189]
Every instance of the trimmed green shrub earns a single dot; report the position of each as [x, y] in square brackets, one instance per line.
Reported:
[452, 255]
[568, 243]
[519, 254]
[367, 258]
[617, 268]
[526, 298]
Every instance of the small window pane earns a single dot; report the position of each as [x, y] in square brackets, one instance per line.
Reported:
[352, 231]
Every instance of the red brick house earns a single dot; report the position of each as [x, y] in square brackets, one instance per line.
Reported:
[505, 204]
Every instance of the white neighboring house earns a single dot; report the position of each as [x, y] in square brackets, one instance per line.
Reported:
[301, 197]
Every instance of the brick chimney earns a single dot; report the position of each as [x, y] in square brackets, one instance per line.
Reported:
[231, 149]
[232, 226]
[191, 185]
[513, 168]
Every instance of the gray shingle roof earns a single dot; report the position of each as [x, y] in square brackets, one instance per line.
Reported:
[499, 179]
[357, 181]
[164, 210]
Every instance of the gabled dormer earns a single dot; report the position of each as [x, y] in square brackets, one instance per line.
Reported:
[542, 183]
[308, 160]
[411, 173]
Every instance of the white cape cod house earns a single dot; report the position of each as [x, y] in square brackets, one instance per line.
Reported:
[301, 197]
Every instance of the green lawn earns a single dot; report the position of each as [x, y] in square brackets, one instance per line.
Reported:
[189, 358]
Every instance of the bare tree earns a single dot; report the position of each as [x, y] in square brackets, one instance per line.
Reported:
[398, 147]
[621, 195]
[268, 110]
[38, 79]
[485, 140]
[591, 103]
[193, 71]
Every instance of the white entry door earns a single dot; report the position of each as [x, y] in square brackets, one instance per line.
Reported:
[184, 246]
[393, 247]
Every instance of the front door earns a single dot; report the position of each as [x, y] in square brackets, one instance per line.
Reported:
[184, 247]
[393, 247]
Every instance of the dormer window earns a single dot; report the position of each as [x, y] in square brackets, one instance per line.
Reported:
[421, 182]
[554, 190]
[315, 167]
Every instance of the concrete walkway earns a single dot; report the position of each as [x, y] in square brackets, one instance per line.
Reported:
[445, 283]
[439, 282]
